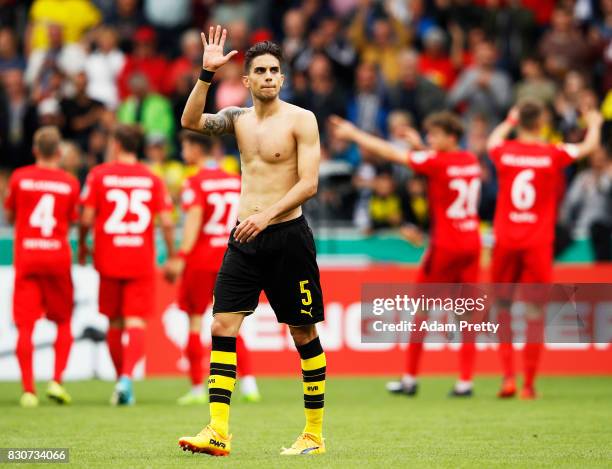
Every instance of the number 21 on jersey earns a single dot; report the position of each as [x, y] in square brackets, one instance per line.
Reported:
[466, 203]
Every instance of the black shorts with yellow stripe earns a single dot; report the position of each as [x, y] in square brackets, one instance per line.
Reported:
[281, 261]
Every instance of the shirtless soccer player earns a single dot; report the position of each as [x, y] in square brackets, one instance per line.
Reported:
[453, 177]
[272, 247]
[210, 202]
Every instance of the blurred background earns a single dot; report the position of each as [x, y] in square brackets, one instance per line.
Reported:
[85, 64]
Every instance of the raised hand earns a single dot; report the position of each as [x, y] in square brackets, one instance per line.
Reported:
[341, 128]
[213, 57]
[413, 138]
[593, 118]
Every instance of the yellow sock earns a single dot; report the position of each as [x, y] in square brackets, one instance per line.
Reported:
[221, 382]
[313, 373]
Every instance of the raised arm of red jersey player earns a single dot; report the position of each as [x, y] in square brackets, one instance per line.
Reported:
[503, 130]
[594, 121]
[345, 130]
[191, 230]
[212, 60]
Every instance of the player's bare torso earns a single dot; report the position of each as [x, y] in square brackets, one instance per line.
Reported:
[268, 156]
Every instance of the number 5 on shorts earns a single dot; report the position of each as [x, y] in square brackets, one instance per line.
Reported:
[308, 300]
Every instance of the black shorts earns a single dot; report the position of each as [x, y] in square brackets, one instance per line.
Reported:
[281, 261]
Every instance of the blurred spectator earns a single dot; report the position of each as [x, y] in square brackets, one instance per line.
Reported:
[9, 54]
[189, 62]
[381, 43]
[587, 207]
[170, 171]
[514, 28]
[69, 58]
[231, 91]
[19, 120]
[397, 124]
[534, 83]
[573, 98]
[368, 108]
[563, 46]
[81, 113]
[415, 210]
[417, 18]
[294, 30]
[72, 160]
[604, 22]
[322, 96]
[385, 206]
[231, 11]
[483, 88]
[126, 19]
[476, 142]
[73, 17]
[150, 110]
[169, 19]
[327, 39]
[144, 59]
[435, 63]
[414, 93]
[103, 67]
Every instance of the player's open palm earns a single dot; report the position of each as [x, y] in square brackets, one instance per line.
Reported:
[213, 57]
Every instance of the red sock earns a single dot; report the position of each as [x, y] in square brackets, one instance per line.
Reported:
[506, 350]
[533, 348]
[133, 351]
[244, 366]
[115, 347]
[194, 353]
[24, 353]
[467, 357]
[63, 343]
[415, 347]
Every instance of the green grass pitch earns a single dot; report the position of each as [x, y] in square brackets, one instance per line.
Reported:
[571, 426]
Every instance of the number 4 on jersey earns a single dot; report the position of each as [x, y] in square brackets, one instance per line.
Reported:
[42, 215]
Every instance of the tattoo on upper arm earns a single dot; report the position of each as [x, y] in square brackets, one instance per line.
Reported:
[222, 122]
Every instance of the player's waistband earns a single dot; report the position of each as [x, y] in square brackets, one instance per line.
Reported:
[283, 224]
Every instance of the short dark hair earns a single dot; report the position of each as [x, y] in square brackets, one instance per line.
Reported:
[47, 140]
[529, 113]
[262, 48]
[449, 122]
[129, 137]
[203, 141]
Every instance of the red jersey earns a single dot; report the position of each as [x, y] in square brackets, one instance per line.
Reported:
[45, 203]
[126, 198]
[529, 179]
[453, 181]
[439, 70]
[218, 193]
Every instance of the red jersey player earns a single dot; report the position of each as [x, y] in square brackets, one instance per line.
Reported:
[42, 202]
[210, 201]
[529, 172]
[454, 253]
[120, 200]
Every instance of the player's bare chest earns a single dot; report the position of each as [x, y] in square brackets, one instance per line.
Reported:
[269, 141]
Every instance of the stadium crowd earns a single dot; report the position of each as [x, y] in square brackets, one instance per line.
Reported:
[84, 65]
